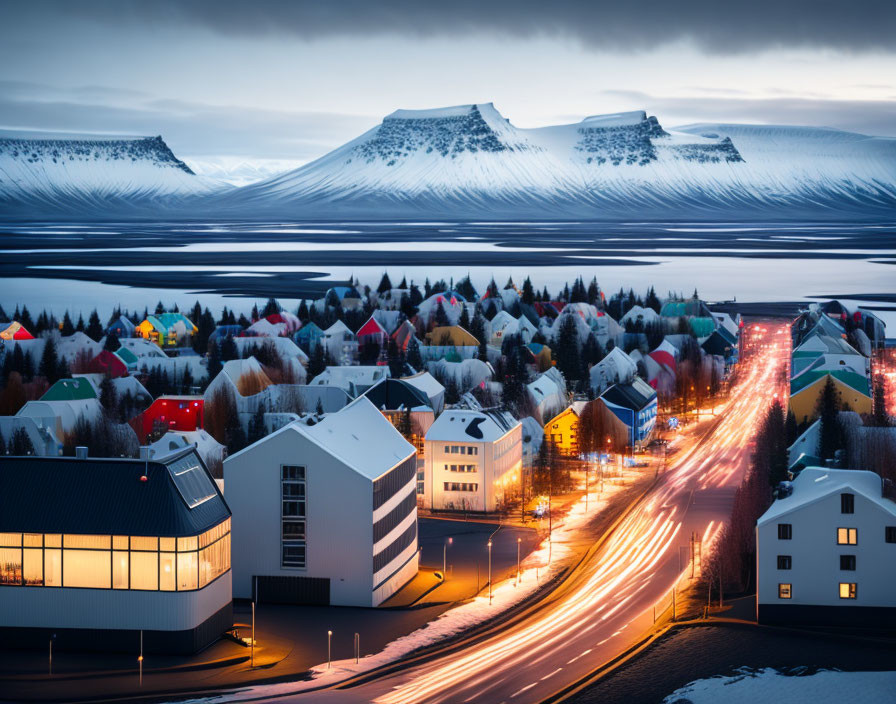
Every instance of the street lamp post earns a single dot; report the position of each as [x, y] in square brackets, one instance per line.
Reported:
[489, 572]
[329, 648]
[519, 542]
[140, 658]
[445, 558]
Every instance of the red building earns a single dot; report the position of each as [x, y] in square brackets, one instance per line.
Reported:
[169, 413]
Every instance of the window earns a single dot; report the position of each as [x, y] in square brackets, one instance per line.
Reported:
[784, 591]
[144, 571]
[848, 562]
[460, 486]
[785, 531]
[120, 570]
[187, 571]
[847, 590]
[890, 534]
[847, 536]
[87, 568]
[292, 516]
[33, 566]
[784, 562]
[11, 565]
[167, 574]
[847, 503]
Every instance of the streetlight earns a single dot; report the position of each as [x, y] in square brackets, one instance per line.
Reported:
[518, 543]
[489, 572]
[329, 649]
[445, 558]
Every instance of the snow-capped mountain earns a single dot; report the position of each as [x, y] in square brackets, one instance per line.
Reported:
[46, 174]
[470, 162]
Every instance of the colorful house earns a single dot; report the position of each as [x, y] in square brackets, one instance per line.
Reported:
[108, 363]
[635, 404]
[70, 390]
[181, 413]
[308, 336]
[167, 329]
[128, 357]
[121, 328]
[372, 332]
[14, 331]
[563, 429]
[403, 335]
[806, 388]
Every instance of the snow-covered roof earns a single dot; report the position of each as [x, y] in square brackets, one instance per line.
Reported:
[141, 347]
[63, 413]
[285, 347]
[337, 328]
[351, 378]
[467, 373]
[645, 315]
[615, 367]
[265, 328]
[360, 437]
[814, 483]
[429, 385]
[173, 441]
[470, 426]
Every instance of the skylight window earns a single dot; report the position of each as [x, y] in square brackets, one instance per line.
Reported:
[191, 480]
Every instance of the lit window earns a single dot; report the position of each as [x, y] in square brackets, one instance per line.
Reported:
[784, 591]
[166, 572]
[33, 566]
[144, 570]
[11, 565]
[120, 570]
[847, 503]
[187, 571]
[847, 590]
[847, 536]
[87, 568]
[53, 567]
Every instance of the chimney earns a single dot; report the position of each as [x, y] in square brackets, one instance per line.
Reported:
[81, 452]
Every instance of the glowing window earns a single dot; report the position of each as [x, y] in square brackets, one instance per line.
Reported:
[847, 536]
[784, 591]
[847, 590]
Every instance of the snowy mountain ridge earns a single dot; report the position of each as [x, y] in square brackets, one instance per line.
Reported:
[46, 174]
[469, 162]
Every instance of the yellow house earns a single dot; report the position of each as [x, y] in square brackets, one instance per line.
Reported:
[451, 336]
[806, 389]
[563, 429]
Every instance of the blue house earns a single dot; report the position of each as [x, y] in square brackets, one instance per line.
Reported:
[635, 405]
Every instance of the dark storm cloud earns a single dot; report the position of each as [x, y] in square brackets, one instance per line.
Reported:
[716, 27]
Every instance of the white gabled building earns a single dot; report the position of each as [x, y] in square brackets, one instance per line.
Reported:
[826, 553]
[325, 513]
[473, 460]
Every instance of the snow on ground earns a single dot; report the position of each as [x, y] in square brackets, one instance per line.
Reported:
[793, 687]
[547, 561]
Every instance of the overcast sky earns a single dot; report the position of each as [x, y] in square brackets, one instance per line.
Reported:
[234, 80]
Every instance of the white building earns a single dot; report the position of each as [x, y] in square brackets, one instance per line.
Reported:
[473, 460]
[826, 554]
[354, 380]
[325, 513]
[341, 343]
[93, 553]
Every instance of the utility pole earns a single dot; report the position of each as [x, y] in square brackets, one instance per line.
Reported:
[518, 544]
[357, 648]
[252, 664]
[489, 572]
[329, 648]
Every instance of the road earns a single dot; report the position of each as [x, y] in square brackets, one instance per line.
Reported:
[609, 601]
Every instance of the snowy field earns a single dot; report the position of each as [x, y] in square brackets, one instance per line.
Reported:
[793, 687]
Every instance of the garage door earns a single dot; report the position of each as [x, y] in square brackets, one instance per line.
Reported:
[293, 590]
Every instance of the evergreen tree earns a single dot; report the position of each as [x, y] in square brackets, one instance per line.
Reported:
[108, 397]
[385, 284]
[513, 395]
[67, 327]
[256, 425]
[111, 342]
[302, 313]
[415, 295]
[319, 408]
[491, 290]
[94, 328]
[528, 293]
[215, 364]
[318, 361]
[26, 320]
[404, 284]
[196, 314]
[441, 317]
[254, 315]
[242, 321]
[186, 381]
[414, 358]
[567, 354]
[593, 293]
[408, 310]
[206, 327]
[466, 289]
[49, 362]
[159, 308]
[776, 438]
[229, 350]
[43, 322]
[830, 433]
[270, 308]
[652, 301]
[396, 360]
[879, 418]
[464, 321]
[62, 369]
[20, 443]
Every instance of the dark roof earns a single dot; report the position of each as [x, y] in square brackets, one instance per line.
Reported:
[635, 396]
[104, 497]
[393, 394]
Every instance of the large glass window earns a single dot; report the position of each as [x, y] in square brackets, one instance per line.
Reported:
[11, 565]
[87, 568]
[847, 590]
[145, 570]
[117, 562]
[167, 571]
[33, 566]
[120, 570]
